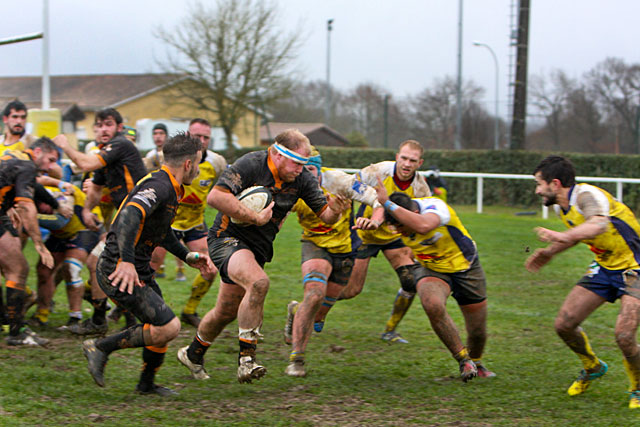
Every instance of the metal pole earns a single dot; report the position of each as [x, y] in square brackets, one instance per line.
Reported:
[23, 38]
[457, 144]
[386, 121]
[46, 89]
[327, 107]
[496, 130]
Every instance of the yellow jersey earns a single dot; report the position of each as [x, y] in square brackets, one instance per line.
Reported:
[75, 224]
[338, 237]
[618, 248]
[22, 144]
[447, 248]
[386, 171]
[191, 209]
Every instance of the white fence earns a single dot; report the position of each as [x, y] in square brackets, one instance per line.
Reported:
[545, 211]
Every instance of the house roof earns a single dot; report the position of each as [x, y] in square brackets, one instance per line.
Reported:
[306, 128]
[88, 92]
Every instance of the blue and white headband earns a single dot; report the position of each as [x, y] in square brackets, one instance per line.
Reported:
[290, 154]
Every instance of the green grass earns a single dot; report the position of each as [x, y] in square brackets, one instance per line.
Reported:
[354, 378]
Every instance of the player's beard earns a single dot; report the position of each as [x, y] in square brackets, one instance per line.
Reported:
[14, 131]
[549, 199]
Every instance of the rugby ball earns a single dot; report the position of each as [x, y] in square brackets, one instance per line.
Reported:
[255, 198]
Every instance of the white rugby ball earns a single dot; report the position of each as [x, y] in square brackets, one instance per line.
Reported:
[255, 198]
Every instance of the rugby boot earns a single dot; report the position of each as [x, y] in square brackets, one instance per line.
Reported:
[97, 360]
[197, 370]
[582, 383]
[296, 369]
[292, 307]
[249, 370]
[392, 337]
[156, 389]
[87, 327]
[27, 337]
[468, 370]
[483, 372]
[634, 399]
[191, 319]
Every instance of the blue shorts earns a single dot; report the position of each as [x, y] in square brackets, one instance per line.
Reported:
[609, 284]
[196, 233]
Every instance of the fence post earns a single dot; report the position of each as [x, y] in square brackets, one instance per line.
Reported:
[479, 195]
[619, 191]
[545, 212]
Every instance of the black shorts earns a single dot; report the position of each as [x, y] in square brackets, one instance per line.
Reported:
[145, 302]
[84, 239]
[7, 225]
[371, 251]
[341, 264]
[196, 233]
[220, 251]
[467, 287]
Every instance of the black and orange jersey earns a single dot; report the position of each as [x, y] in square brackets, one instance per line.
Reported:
[156, 197]
[17, 178]
[123, 167]
[257, 168]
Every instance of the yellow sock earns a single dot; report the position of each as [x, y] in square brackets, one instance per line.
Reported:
[462, 355]
[42, 314]
[632, 366]
[400, 306]
[199, 288]
[589, 360]
[28, 291]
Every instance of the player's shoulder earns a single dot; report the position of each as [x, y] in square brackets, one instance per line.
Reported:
[216, 160]
[431, 203]
[152, 153]
[383, 169]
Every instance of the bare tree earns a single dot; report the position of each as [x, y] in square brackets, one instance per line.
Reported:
[434, 111]
[617, 87]
[548, 95]
[233, 56]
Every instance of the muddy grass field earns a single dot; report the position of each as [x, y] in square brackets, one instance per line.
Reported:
[354, 378]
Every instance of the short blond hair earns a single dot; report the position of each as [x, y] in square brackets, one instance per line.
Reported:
[412, 143]
[293, 139]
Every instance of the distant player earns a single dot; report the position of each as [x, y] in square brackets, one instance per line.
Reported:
[142, 223]
[612, 232]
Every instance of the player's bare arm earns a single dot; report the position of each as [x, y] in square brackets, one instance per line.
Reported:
[587, 230]
[88, 162]
[29, 217]
[227, 203]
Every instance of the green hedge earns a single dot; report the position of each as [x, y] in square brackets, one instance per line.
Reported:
[496, 191]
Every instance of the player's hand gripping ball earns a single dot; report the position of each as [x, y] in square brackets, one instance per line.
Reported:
[255, 198]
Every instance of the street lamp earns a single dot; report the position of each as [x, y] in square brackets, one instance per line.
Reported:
[327, 106]
[496, 140]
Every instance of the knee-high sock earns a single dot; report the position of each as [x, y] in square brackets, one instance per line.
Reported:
[632, 366]
[400, 307]
[199, 288]
[581, 347]
[152, 358]
[197, 349]
[15, 302]
[135, 336]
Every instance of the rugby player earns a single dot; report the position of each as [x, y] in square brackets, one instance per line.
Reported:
[117, 167]
[376, 237]
[18, 172]
[447, 264]
[611, 231]
[154, 158]
[328, 251]
[15, 136]
[240, 250]
[124, 274]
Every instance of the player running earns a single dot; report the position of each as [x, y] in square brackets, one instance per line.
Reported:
[447, 264]
[142, 223]
[328, 251]
[611, 231]
[240, 251]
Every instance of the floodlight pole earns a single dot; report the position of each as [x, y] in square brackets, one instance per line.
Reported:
[457, 144]
[327, 106]
[496, 136]
[46, 88]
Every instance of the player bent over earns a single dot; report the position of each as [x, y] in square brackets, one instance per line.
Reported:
[612, 232]
[448, 264]
[240, 250]
[328, 252]
[142, 223]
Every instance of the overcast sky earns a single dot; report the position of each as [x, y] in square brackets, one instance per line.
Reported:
[401, 45]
